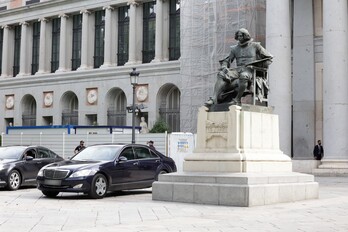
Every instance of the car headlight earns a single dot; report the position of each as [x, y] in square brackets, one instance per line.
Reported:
[40, 172]
[3, 166]
[87, 172]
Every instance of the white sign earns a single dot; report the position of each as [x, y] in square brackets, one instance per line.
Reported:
[180, 145]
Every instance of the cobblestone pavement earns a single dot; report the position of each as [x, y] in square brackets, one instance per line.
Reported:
[27, 210]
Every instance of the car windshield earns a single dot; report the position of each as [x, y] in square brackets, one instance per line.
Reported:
[98, 153]
[11, 152]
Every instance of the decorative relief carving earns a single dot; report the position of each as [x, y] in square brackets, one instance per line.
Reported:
[142, 93]
[214, 127]
[211, 136]
[92, 96]
[9, 102]
[48, 99]
[133, 2]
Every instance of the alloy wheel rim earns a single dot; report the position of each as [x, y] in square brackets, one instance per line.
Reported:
[14, 180]
[100, 186]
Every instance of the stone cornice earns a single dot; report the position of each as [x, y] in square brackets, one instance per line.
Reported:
[53, 8]
[119, 72]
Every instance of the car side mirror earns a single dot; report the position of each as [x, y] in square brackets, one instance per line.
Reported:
[121, 159]
[29, 158]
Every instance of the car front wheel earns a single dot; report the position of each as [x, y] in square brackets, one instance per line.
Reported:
[99, 187]
[14, 180]
[50, 194]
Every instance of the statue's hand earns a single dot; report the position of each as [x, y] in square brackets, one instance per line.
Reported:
[224, 73]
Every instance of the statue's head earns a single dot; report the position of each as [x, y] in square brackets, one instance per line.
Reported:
[245, 34]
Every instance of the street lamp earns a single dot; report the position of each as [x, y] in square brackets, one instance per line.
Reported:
[134, 81]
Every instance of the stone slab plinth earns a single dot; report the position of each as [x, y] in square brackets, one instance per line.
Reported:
[235, 189]
[237, 162]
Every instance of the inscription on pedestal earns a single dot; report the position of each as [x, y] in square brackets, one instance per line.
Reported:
[216, 133]
[213, 127]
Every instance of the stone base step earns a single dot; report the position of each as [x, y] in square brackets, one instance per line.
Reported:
[235, 189]
[330, 172]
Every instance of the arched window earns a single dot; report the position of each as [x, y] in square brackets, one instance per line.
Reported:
[117, 109]
[170, 107]
[29, 113]
[70, 109]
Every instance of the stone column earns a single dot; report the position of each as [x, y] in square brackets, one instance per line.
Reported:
[335, 81]
[42, 57]
[63, 66]
[132, 59]
[159, 32]
[108, 37]
[303, 81]
[23, 62]
[7, 62]
[85, 40]
[278, 43]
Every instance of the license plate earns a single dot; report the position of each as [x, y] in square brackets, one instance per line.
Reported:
[53, 182]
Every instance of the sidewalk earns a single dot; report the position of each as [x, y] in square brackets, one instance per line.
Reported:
[27, 210]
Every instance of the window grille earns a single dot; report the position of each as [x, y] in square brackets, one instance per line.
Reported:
[123, 35]
[170, 111]
[55, 44]
[99, 38]
[77, 36]
[17, 49]
[117, 114]
[149, 31]
[35, 48]
[1, 44]
[174, 31]
[70, 117]
[28, 119]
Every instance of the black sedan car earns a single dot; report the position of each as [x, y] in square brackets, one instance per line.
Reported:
[107, 167]
[19, 165]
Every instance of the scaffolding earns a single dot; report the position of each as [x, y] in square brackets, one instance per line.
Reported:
[207, 33]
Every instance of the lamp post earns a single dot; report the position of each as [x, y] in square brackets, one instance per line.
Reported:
[134, 81]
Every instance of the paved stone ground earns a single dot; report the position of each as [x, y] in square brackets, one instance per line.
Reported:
[27, 210]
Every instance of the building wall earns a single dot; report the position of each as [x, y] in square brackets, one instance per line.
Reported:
[207, 30]
[154, 76]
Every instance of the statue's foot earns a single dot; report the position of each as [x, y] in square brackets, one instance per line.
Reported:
[236, 102]
[209, 102]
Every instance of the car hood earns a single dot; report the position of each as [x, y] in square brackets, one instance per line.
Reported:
[6, 161]
[73, 164]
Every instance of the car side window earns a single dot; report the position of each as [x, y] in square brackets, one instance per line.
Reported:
[52, 154]
[43, 153]
[144, 153]
[128, 153]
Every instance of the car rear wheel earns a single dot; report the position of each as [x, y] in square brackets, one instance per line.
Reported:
[99, 187]
[161, 172]
[50, 194]
[14, 180]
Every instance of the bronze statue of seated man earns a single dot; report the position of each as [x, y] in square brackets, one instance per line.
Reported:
[231, 84]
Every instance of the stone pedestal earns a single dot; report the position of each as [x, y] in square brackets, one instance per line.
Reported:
[237, 161]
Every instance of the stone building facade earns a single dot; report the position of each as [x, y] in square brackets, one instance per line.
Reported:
[68, 62]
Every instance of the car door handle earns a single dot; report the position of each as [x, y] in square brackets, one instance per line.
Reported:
[136, 163]
[157, 161]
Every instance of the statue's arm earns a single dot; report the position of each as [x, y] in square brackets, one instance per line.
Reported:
[226, 63]
[263, 53]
